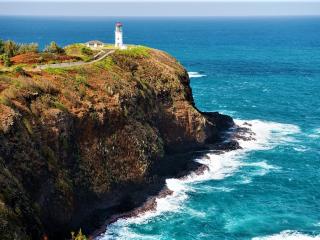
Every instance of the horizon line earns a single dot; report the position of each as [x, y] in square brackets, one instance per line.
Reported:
[165, 16]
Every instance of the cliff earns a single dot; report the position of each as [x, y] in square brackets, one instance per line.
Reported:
[78, 145]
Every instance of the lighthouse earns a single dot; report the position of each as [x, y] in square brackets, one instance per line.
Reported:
[118, 36]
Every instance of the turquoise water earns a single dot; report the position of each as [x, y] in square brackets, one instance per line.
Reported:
[265, 71]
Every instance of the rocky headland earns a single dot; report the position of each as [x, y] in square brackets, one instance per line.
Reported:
[82, 146]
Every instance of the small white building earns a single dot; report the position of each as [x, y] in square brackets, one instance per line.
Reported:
[94, 44]
[118, 43]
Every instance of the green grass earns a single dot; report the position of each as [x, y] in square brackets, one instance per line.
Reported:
[60, 106]
[106, 63]
[81, 80]
[28, 125]
[5, 101]
[134, 51]
[80, 50]
[109, 46]
[56, 70]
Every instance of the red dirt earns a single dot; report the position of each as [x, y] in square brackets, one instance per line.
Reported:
[33, 58]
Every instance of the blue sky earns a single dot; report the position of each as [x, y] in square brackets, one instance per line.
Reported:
[160, 8]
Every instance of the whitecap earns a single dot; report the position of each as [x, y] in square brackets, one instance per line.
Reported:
[315, 133]
[263, 167]
[268, 134]
[220, 166]
[301, 149]
[245, 180]
[196, 75]
[288, 235]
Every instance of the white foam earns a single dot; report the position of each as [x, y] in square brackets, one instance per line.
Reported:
[288, 235]
[196, 75]
[267, 135]
[301, 149]
[315, 133]
[263, 167]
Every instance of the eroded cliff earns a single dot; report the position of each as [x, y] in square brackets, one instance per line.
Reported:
[77, 141]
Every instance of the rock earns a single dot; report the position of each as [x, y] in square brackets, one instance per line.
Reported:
[89, 144]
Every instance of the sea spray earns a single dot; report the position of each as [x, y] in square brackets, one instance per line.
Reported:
[195, 75]
[288, 235]
[266, 135]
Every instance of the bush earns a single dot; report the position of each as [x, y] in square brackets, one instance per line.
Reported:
[25, 48]
[6, 60]
[79, 50]
[20, 71]
[86, 51]
[1, 47]
[54, 48]
[79, 236]
[11, 48]
[81, 80]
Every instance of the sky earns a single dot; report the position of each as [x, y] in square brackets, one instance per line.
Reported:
[158, 8]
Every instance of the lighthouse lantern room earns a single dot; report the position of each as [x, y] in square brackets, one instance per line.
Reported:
[119, 36]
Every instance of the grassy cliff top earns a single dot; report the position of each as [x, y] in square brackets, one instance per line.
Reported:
[76, 89]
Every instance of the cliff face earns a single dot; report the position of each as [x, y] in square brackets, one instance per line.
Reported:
[73, 139]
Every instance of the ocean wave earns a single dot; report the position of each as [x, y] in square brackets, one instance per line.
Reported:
[219, 166]
[196, 75]
[301, 149]
[315, 133]
[268, 134]
[263, 167]
[288, 235]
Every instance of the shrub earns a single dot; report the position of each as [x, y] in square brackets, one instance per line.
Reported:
[81, 80]
[20, 71]
[86, 51]
[25, 48]
[79, 236]
[11, 48]
[80, 51]
[6, 60]
[54, 48]
[1, 47]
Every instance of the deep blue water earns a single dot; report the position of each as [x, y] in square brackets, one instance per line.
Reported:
[262, 70]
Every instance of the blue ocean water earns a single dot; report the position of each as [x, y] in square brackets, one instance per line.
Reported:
[265, 71]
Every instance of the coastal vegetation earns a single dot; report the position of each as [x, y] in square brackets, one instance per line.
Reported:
[54, 48]
[79, 50]
[29, 56]
[13, 54]
[91, 137]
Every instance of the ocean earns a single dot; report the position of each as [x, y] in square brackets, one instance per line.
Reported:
[263, 71]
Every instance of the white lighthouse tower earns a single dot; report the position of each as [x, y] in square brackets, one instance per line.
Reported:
[118, 36]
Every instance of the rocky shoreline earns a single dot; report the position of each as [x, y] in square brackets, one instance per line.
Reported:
[85, 144]
[229, 143]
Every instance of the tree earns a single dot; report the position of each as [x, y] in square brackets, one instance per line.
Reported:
[54, 48]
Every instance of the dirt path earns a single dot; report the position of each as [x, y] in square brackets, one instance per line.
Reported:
[73, 64]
